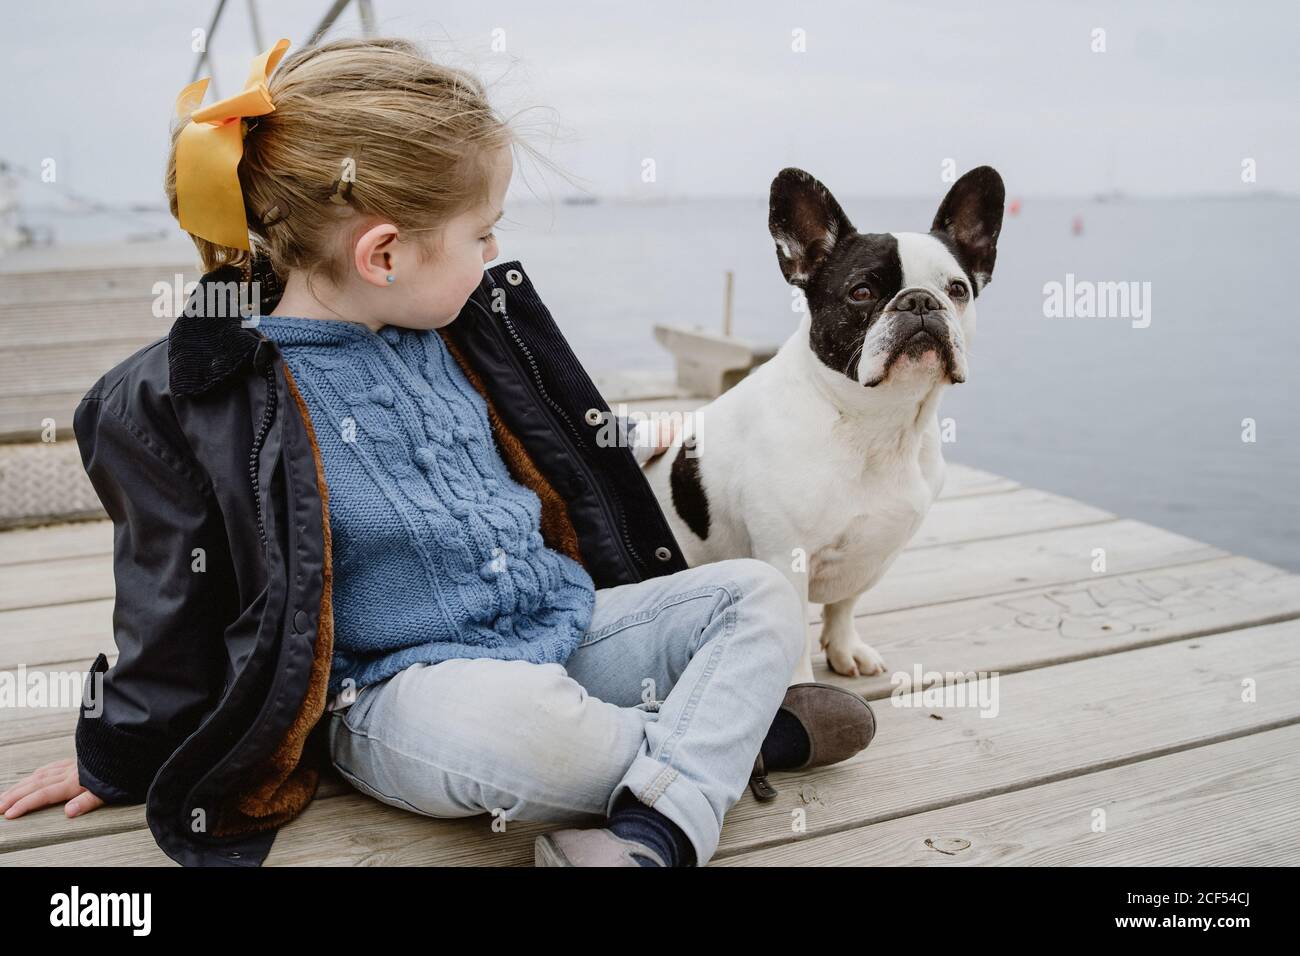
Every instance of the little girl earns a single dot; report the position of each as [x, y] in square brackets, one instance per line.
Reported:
[376, 524]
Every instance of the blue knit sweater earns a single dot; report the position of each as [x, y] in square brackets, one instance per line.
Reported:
[437, 551]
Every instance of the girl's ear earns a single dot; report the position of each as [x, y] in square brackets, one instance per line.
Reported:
[372, 254]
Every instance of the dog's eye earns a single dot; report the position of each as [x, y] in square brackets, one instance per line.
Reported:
[861, 293]
[957, 289]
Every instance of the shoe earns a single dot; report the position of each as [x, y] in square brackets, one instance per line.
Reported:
[589, 848]
[838, 722]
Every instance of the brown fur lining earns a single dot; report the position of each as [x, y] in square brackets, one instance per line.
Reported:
[283, 786]
[557, 528]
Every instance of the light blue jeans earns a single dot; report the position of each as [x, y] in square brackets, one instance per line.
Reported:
[670, 695]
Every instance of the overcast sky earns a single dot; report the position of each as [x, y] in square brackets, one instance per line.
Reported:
[715, 94]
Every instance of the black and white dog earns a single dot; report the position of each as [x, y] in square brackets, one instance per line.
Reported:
[825, 459]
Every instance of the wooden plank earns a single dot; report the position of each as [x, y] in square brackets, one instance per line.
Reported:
[1053, 723]
[59, 632]
[61, 367]
[63, 581]
[115, 320]
[93, 285]
[1059, 623]
[1226, 804]
[951, 519]
[1007, 632]
[74, 539]
[1026, 626]
[930, 575]
[978, 517]
[962, 480]
[50, 825]
[26, 723]
[1004, 634]
[967, 518]
[1114, 711]
[954, 572]
[21, 416]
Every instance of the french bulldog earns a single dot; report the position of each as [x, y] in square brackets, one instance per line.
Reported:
[825, 460]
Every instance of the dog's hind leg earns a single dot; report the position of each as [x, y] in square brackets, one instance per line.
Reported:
[846, 653]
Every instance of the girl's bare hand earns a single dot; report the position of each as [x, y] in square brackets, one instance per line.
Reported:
[53, 783]
[667, 432]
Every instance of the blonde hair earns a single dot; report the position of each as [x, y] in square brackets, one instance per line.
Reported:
[361, 128]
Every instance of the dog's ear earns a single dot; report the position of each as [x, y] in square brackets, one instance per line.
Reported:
[806, 222]
[971, 217]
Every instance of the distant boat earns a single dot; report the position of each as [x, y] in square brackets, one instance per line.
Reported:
[1110, 195]
[580, 200]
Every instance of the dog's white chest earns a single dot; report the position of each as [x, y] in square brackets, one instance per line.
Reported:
[886, 516]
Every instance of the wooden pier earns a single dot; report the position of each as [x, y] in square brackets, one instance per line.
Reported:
[1146, 713]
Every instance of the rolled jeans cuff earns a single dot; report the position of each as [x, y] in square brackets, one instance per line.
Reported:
[663, 788]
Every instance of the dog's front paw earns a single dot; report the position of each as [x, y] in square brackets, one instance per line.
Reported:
[854, 657]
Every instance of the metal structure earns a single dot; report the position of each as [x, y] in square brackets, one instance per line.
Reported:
[365, 10]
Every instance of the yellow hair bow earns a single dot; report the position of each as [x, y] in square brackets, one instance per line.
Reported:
[209, 200]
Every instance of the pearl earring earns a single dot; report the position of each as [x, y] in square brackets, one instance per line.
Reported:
[391, 278]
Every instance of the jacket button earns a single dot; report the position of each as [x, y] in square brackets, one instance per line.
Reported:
[514, 277]
[594, 417]
[662, 553]
[301, 622]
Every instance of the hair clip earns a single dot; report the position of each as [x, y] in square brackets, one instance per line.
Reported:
[342, 192]
[342, 187]
[273, 216]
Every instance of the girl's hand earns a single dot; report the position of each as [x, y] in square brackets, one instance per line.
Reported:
[53, 783]
[667, 429]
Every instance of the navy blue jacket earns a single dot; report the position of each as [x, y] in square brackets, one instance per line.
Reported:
[205, 460]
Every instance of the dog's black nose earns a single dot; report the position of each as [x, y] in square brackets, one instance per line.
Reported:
[918, 301]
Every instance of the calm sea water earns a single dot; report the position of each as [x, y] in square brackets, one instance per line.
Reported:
[1146, 422]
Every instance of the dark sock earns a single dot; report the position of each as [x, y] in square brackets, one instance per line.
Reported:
[786, 744]
[633, 820]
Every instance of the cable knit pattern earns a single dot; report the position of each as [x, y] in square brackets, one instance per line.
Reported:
[438, 551]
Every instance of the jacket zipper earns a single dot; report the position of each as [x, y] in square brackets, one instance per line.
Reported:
[259, 439]
[630, 556]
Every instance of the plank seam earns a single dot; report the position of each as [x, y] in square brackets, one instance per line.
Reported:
[1027, 784]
